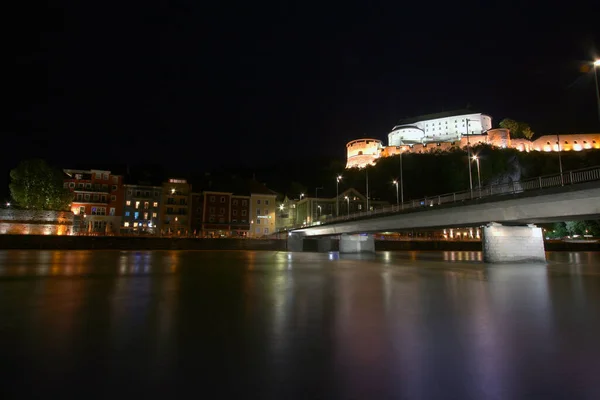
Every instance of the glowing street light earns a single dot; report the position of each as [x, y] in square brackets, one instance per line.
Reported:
[7, 204]
[337, 200]
[596, 66]
[348, 203]
[395, 182]
[301, 196]
[319, 209]
[478, 173]
[281, 207]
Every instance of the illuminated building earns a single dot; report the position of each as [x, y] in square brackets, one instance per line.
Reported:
[443, 131]
[141, 210]
[175, 208]
[263, 211]
[215, 214]
[97, 200]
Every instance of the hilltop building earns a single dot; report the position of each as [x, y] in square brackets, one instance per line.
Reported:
[442, 131]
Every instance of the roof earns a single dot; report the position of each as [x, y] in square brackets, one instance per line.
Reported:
[444, 114]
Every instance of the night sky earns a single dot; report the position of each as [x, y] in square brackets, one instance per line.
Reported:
[198, 84]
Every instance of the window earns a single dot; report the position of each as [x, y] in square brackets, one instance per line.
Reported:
[137, 205]
[221, 211]
[135, 224]
[113, 198]
[221, 220]
[211, 210]
[170, 210]
[146, 205]
[115, 179]
[266, 212]
[257, 221]
[243, 213]
[128, 203]
[129, 193]
[88, 185]
[222, 199]
[126, 224]
[96, 197]
[234, 221]
[153, 215]
[212, 199]
[81, 210]
[79, 197]
[235, 202]
[136, 215]
[105, 177]
[258, 201]
[127, 213]
[147, 194]
[156, 194]
[72, 185]
[257, 230]
[266, 202]
[114, 188]
[66, 185]
[155, 204]
[98, 175]
[360, 206]
[211, 219]
[245, 202]
[258, 211]
[234, 213]
[266, 230]
[112, 211]
[182, 202]
[87, 196]
[145, 215]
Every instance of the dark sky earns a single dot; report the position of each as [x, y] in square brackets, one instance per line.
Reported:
[197, 84]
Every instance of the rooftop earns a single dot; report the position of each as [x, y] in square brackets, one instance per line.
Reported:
[444, 114]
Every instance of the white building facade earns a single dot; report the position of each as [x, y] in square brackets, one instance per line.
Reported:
[441, 127]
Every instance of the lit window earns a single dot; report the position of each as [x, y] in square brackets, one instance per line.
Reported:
[126, 224]
[153, 215]
[155, 204]
[137, 204]
[136, 215]
[135, 224]
[128, 203]
[146, 205]
[145, 215]
[127, 213]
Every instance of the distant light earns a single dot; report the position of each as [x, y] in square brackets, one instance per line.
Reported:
[395, 182]
[281, 207]
[475, 158]
[7, 204]
[597, 63]
[172, 190]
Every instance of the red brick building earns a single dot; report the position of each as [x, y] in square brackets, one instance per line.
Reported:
[240, 216]
[216, 214]
[98, 197]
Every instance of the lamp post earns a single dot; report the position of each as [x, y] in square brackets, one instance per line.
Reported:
[318, 211]
[395, 182]
[317, 197]
[469, 158]
[367, 174]
[478, 174]
[562, 183]
[347, 203]
[301, 196]
[401, 180]
[596, 66]
[337, 200]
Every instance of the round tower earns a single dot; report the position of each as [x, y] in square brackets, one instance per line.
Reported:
[362, 152]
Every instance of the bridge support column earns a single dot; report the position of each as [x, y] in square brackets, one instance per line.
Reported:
[295, 242]
[357, 243]
[503, 244]
[325, 245]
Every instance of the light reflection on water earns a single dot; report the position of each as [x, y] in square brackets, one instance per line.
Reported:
[281, 325]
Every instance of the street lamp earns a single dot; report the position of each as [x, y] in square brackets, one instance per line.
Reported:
[401, 180]
[319, 211]
[301, 196]
[337, 200]
[347, 203]
[395, 182]
[8, 204]
[478, 173]
[597, 65]
[316, 197]
[469, 157]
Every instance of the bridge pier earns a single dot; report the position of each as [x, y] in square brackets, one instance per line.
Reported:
[502, 244]
[295, 242]
[325, 244]
[357, 243]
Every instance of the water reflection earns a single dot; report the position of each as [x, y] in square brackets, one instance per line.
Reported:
[297, 325]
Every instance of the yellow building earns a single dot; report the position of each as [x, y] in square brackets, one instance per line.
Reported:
[263, 213]
[175, 208]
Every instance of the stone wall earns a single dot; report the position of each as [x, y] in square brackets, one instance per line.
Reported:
[29, 222]
[513, 243]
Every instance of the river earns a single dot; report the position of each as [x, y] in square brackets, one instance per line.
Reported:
[277, 325]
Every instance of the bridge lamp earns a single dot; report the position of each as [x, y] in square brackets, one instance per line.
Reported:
[395, 182]
[476, 159]
[7, 204]
[319, 208]
[348, 203]
[301, 196]
[281, 207]
[597, 65]
[337, 200]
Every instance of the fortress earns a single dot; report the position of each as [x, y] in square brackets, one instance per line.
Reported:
[443, 131]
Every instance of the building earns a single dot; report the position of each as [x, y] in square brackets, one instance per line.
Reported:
[196, 214]
[97, 200]
[443, 131]
[141, 210]
[175, 207]
[216, 213]
[309, 210]
[240, 216]
[263, 216]
[286, 214]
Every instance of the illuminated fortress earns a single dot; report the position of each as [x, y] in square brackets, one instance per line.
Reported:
[441, 132]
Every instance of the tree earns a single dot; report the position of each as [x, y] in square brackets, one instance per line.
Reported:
[517, 129]
[37, 186]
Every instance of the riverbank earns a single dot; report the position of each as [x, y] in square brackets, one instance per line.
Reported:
[51, 242]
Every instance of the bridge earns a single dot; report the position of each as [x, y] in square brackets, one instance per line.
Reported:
[507, 214]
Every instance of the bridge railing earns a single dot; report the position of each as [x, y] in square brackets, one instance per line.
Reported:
[532, 184]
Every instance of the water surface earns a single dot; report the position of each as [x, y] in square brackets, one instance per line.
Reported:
[277, 325]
